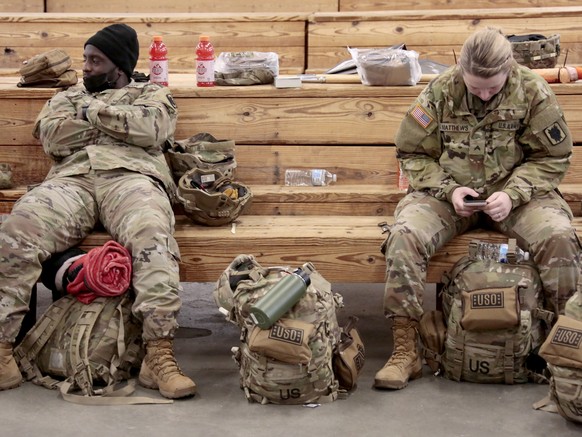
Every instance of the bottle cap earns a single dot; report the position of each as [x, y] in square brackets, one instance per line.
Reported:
[158, 38]
[203, 38]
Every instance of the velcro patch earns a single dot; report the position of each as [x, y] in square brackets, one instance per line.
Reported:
[421, 116]
[555, 133]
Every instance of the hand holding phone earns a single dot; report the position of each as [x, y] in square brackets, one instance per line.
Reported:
[471, 201]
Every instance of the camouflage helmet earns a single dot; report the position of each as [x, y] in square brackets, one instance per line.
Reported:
[535, 51]
[210, 198]
[202, 151]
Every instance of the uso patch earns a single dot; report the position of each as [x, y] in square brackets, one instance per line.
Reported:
[555, 134]
[421, 116]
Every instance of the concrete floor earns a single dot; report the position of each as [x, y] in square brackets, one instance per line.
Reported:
[431, 406]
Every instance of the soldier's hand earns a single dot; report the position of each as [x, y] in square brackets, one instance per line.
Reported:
[498, 206]
[458, 200]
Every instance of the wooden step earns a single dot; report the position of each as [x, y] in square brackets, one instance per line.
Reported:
[343, 248]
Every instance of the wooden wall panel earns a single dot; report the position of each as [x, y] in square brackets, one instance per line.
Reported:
[415, 5]
[25, 36]
[434, 34]
[22, 6]
[190, 6]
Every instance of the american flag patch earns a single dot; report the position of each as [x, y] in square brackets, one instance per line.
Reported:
[420, 115]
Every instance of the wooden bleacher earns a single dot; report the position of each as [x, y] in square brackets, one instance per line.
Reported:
[329, 34]
[347, 128]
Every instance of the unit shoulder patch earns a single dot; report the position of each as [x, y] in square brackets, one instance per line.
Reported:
[555, 133]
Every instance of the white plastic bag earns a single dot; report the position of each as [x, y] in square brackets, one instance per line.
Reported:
[387, 66]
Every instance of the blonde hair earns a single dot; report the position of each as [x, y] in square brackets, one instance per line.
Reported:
[486, 53]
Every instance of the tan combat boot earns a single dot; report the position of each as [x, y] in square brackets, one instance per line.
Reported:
[159, 370]
[10, 376]
[405, 362]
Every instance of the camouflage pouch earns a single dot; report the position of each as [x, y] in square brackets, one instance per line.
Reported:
[535, 51]
[48, 69]
[246, 68]
[563, 347]
[5, 176]
[563, 352]
[432, 332]
[287, 341]
[486, 309]
[350, 356]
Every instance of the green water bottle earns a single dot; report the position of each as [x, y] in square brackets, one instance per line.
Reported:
[280, 298]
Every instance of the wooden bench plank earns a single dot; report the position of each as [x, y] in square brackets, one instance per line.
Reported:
[263, 114]
[344, 249]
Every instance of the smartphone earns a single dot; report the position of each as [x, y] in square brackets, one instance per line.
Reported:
[471, 201]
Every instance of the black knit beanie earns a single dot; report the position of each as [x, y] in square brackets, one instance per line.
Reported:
[119, 43]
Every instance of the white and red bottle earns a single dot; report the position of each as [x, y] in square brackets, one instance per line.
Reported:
[204, 62]
[158, 61]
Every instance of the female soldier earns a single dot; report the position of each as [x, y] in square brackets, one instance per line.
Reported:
[490, 129]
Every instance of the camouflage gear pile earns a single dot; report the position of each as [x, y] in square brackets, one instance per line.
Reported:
[49, 69]
[202, 151]
[518, 143]
[5, 176]
[535, 51]
[211, 199]
[494, 318]
[563, 352]
[246, 68]
[291, 362]
[90, 346]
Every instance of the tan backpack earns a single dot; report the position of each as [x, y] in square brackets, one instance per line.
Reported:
[292, 362]
[492, 320]
[562, 351]
[86, 350]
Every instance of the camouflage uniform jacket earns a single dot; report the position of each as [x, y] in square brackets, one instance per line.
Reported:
[125, 128]
[521, 146]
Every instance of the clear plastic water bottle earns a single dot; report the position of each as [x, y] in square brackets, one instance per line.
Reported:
[498, 252]
[315, 177]
[574, 306]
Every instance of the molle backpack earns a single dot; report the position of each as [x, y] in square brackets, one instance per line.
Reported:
[562, 351]
[292, 361]
[491, 321]
[86, 351]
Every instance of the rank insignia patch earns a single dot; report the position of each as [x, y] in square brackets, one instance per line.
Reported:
[421, 116]
[555, 133]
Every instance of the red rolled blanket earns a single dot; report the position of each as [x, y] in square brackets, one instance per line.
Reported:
[103, 271]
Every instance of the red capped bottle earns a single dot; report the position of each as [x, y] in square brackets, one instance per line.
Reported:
[158, 61]
[204, 62]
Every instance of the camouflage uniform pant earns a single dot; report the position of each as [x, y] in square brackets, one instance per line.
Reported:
[424, 224]
[61, 212]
